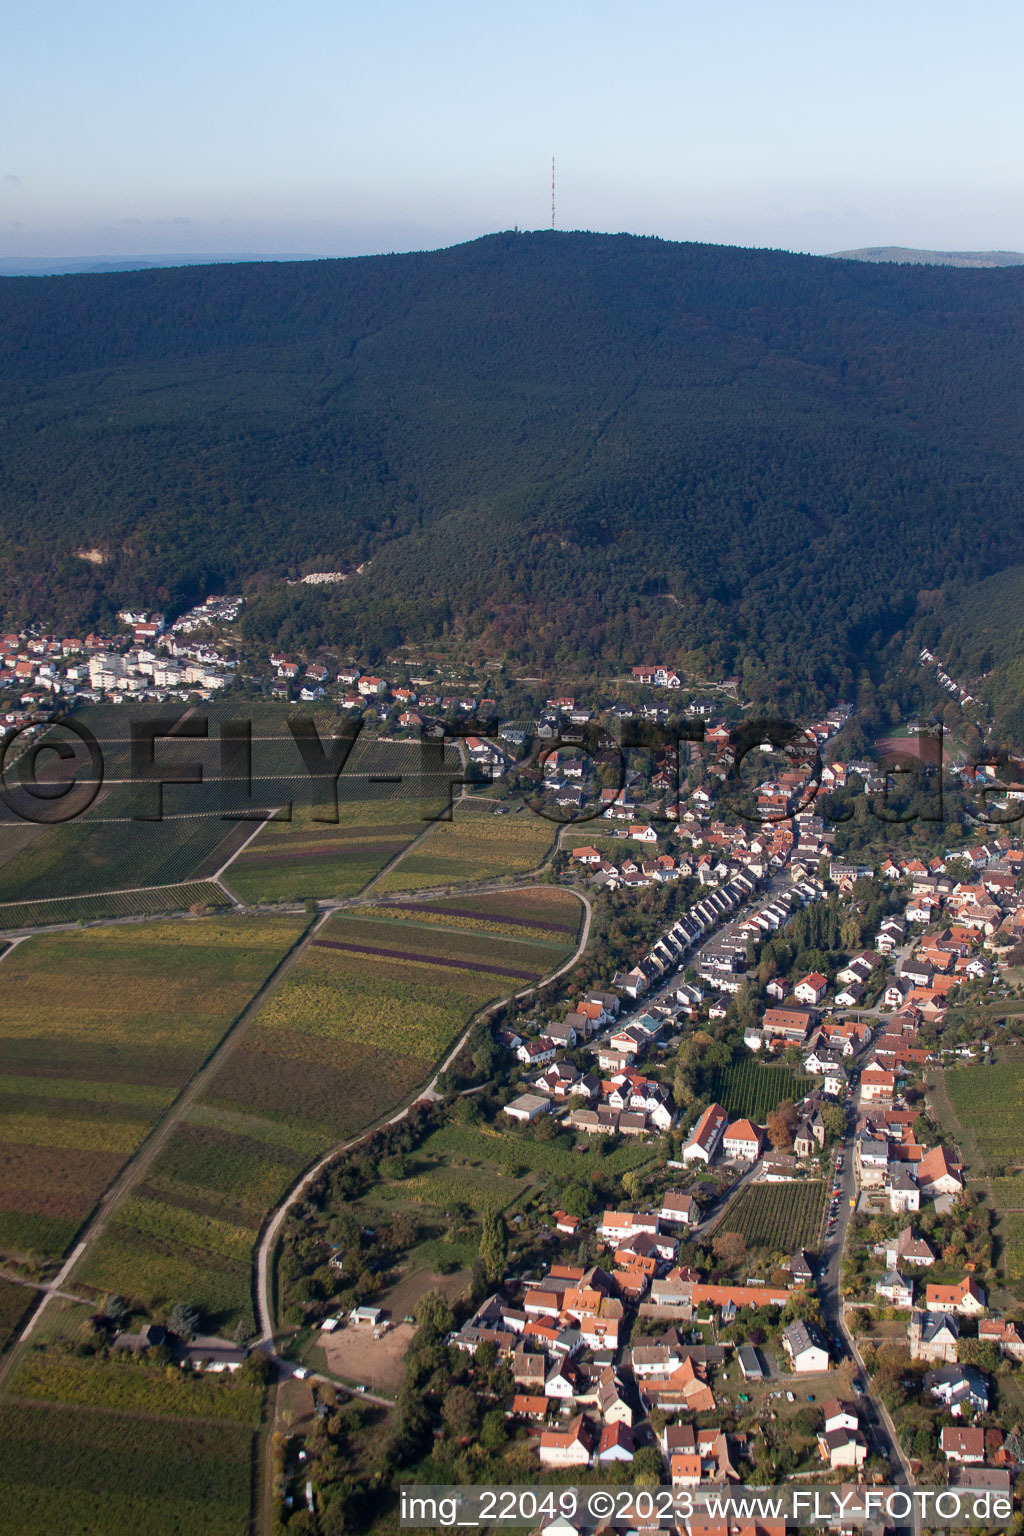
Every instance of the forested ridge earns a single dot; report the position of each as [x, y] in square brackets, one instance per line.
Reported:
[571, 447]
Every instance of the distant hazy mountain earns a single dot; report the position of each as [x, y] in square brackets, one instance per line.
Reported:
[578, 451]
[62, 266]
[905, 255]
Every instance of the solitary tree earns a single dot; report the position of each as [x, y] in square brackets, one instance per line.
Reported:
[183, 1320]
[730, 1247]
[494, 1245]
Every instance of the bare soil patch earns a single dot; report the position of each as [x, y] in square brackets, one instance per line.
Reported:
[353, 1354]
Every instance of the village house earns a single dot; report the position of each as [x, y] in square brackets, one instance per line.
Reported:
[570, 1447]
[904, 1194]
[1007, 1337]
[937, 1174]
[743, 1140]
[704, 1139]
[843, 1448]
[679, 1208]
[805, 1348]
[962, 1444]
[906, 1249]
[877, 1085]
[895, 1289]
[684, 1388]
[958, 1388]
[811, 989]
[790, 1026]
[933, 1336]
[965, 1297]
[528, 1107]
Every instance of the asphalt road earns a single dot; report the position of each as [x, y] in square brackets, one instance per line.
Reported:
[878, 1427]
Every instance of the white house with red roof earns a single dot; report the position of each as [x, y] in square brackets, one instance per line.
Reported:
[706, 1136]
[811, 989]
[743, 1139]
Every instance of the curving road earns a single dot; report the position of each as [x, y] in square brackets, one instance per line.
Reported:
[264, 1253]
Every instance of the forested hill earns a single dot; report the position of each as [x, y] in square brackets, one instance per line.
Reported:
[907, 253]
[571, 446]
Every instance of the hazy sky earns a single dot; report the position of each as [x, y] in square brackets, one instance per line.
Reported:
[335, 128]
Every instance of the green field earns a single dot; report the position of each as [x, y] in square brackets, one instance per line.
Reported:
[486, 1148]
[83, 909]
[290, 861]
[1009, 1231]
[475, 845]
[78, 1472]
[129, 1385]
[101, 852]
[350, 1034]
[111, 847]
[988, 1101]
[386, 799]
[778, 1217]
[108, 1444]
[751, 1090]
[99, 1030]
[14, 1302]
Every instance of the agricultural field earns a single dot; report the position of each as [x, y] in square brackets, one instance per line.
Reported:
[987, 1104]
[541, 912]
[103, 851]
[14, 1302]
[476, 844]
[1008, 1194]
[126, 1384]
[99, 1030]
[1009, 1232]
[425, 940]
[360, 1023]
[779, 1217]
[113, 847]
[746, 1088]
[188, 1230]
[83, 909]
[292, 860]
[988, 1101]
[69, 1469]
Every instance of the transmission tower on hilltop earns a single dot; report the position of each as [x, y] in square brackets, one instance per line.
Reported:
[552, 191]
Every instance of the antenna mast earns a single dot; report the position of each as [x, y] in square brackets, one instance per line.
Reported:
[552, 191]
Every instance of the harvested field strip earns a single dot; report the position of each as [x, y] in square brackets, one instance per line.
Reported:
[470, 932]
[95, 1091]
[420, 959]
[320, 851]
[333, 835]
[481, 914]
[434, 940]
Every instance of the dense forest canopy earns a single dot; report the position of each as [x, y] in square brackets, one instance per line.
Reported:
[572, 448]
